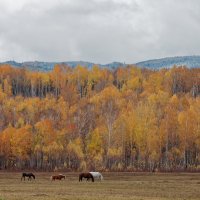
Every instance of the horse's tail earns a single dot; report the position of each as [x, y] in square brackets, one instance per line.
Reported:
[23, 176]
[80, 177]
[92, 178]
[33, 176]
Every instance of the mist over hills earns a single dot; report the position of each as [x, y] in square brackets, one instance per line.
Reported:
[189, 61]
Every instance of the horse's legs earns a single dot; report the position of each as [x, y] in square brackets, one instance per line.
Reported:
[88, 178]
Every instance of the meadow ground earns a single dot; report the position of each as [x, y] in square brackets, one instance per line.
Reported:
[134, 186]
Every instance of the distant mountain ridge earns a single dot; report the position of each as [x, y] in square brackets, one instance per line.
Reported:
[48, 66]
[189, 61]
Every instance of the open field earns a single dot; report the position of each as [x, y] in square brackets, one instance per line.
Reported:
[135, 186]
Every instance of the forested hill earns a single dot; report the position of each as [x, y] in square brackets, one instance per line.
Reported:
[189, 61]
[129, 119]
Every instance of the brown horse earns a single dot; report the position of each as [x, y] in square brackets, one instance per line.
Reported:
[57, 177]
[29, 175]
[86, 175]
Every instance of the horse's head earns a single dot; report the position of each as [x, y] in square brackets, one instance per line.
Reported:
[33, 176]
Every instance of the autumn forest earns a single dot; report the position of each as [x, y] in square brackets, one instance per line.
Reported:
[124, 119]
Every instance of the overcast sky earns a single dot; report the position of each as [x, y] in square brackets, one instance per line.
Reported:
[99, 31]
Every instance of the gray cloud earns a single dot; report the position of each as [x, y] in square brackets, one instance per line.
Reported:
[100, 31]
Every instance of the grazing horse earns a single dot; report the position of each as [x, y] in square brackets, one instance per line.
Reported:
[97, 175]
[87, 176]
[29, 175]
[57, 177]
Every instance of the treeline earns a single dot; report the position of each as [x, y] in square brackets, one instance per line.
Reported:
[99, 119]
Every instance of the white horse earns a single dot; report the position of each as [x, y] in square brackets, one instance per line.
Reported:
[97, 175]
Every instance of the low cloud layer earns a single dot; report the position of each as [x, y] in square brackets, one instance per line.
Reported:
[99, 31]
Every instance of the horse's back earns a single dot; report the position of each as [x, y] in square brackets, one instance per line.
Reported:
[58, 177]
[97, 175]
[27, 173]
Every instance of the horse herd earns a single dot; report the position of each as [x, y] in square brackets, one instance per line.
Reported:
[89, 175]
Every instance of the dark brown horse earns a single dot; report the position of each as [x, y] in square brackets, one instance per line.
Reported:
[29, 175]
[86, 175]
[57, 177]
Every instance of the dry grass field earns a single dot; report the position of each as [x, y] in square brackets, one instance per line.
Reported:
[135, 186]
